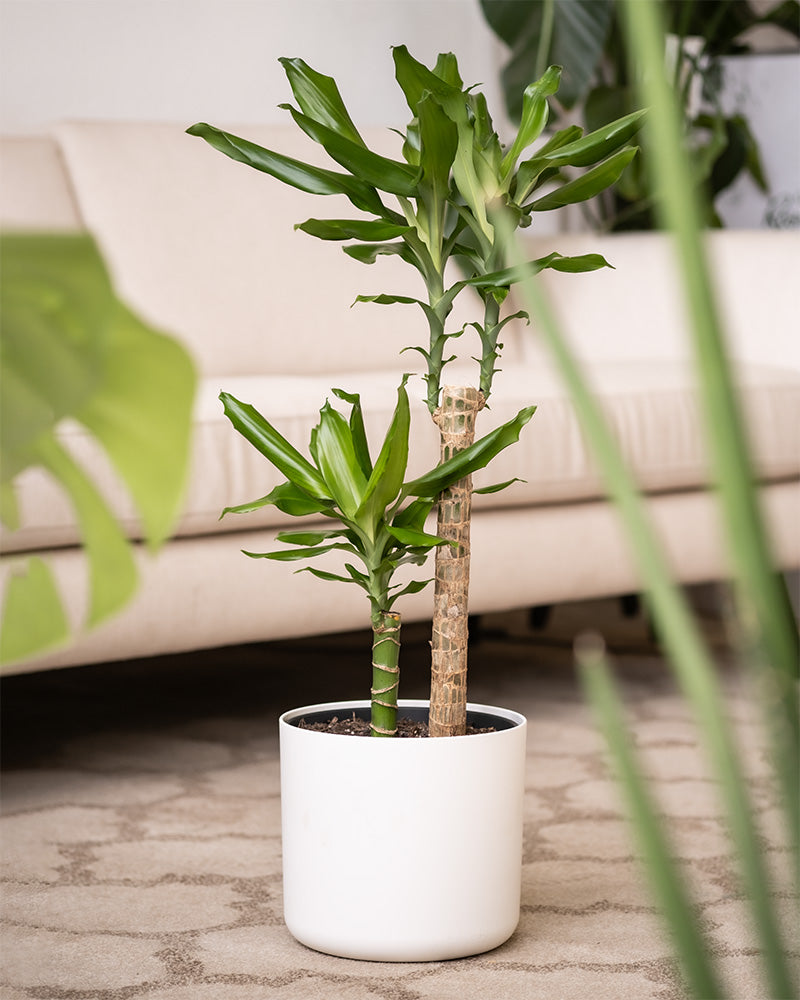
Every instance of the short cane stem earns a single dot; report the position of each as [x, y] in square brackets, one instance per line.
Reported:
[385, 672]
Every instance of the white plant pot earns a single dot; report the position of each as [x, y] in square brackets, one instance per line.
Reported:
[402, 850]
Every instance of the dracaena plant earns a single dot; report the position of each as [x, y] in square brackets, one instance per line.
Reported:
[379, 518]
[439, 204]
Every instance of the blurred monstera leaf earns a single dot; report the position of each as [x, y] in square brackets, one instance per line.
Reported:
[72, 351]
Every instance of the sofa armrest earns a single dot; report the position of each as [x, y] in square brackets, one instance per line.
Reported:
[35, 192]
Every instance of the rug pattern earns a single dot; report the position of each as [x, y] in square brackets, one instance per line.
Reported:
[141, 855]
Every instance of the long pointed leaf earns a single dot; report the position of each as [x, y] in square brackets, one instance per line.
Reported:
[386, 479]
[273, 446]
[368, 253]
[304, 176]
[319, 97]
[417, 539]
[666, 878]
[415, 79]
[587, 185]
[411, 588]
[357, 429]
[554, 261]
[372, 169]
[306, 552]
[535, 111]
[368, 230]
[476, 456]
[288, 498]
[338, 463]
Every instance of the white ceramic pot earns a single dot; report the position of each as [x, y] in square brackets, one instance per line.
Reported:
[402, 850]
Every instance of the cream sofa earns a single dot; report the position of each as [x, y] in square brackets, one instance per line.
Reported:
[205, 248]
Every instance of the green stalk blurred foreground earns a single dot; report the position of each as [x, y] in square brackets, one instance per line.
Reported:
[771, 645]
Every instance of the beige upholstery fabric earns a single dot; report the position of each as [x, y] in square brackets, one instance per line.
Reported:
[34, 190]
[637, 309]
[652, 410]
[202, 592]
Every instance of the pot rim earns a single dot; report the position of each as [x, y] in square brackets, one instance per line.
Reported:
[290, 717]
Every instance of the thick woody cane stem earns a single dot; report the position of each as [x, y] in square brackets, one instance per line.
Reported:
[385, 672]
[448, 709]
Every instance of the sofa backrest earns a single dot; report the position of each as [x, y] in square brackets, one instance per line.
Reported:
[638, 309]
[205, 247]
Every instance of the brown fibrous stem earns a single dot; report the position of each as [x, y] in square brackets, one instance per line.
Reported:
[455, 418]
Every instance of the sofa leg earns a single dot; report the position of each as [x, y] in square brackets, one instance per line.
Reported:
[630, 605]
[539, 616]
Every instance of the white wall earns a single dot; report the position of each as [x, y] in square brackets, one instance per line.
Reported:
[216, 60]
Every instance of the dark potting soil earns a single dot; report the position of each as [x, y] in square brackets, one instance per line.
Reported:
[353, 726]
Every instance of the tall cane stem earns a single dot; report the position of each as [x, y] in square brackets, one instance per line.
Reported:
[448, 706]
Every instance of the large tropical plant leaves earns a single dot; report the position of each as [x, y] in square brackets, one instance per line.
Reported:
[71, 349]
[568, 33]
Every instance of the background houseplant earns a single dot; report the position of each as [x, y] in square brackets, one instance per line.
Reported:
[72, 351]
[764, 627]
[589, 40]
[454, 174]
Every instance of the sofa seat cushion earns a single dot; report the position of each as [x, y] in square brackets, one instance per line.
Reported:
[652, 408]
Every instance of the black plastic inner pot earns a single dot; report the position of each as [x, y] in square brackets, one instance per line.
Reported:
[480, 720]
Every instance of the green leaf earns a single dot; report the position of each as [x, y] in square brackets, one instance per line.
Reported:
[357, 429]
[597, 145]
[386, 479]
[535, 111]
[306, 552]
[667, 879]
[499, 486]
[476, 456]
[112, 571]
[554, 261]
[338, 463]
[416, 80]
[57, 310]
[368, 253]
[288, 498]
[411, 588]
[352, 229]
[324, 575]
[587, 185]
[438, 144]
[295, 173]
[414, 515]
[33, 618]
[274, 447]
[319, 98]
[417, 539]
[307, 538]
[71, 349]
[142, 415]
[389, 300]
[370, 168]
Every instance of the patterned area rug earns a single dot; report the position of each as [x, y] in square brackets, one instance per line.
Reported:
[141, 826]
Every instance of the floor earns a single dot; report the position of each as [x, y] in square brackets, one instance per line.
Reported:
[141, 824]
